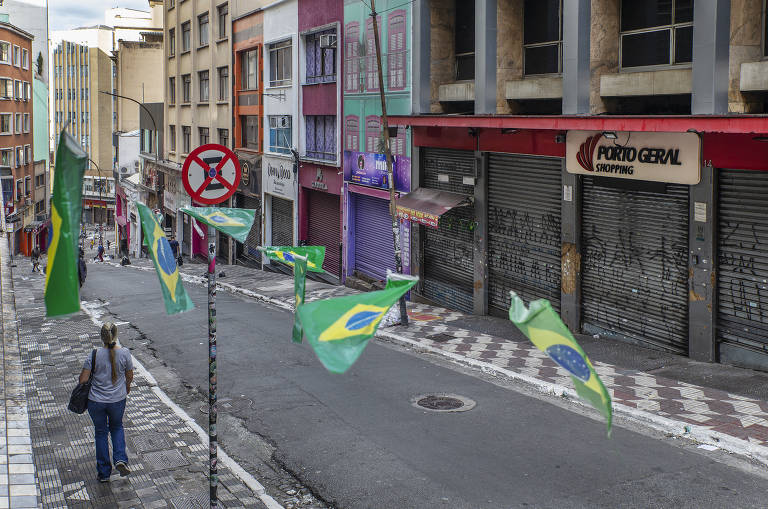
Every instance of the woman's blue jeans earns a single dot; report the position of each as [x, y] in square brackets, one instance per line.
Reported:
[108, 420]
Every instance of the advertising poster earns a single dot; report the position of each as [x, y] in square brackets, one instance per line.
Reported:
[367, 169]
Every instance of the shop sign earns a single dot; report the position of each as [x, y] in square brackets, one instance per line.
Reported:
[245, 178]
[278, 179]
[368, 169]
[657, 157]
[418, 216]
[319, 182]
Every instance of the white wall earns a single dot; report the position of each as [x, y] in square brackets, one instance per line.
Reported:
[128, 152]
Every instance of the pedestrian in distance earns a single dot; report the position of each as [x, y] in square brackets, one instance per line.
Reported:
[107, 244]
[82, 269]
[35, 256]
[110, 386]
[99, 253]
[91, 244]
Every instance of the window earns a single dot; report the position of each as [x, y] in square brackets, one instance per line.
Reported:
[27, 91]
[202, 29]
[397, 144]
[19, 156]
[5, 52]
[6, 157]
[542, 39]
[186, 88]
[396, 59]
[280, 63]
[172, 137]
[249, 61]
[321, 62]
[171, 4]
[203, 81]
[185, 36]
[171, 42]
[172, 90]
[250, 132]
[5, 123]
[280, 134]
[39, 207]
[16, 56]
[372, 133]
[464, 44]
[321, 137]
[6, 88]
[26, 122]
[223, 83]
[17, 89]
[371, 66]
[352, 133]
[656, 33]
[186, 135]
[27, 160]
[202, 134]
[39, 180]
[222, 10]
[25, 58]
[19, 188]
[224, 137]
[19, 123]
[352, 58]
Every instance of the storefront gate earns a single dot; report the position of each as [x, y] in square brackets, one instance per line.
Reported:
[282, 222]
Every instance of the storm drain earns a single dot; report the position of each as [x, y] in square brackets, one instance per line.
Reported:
[443, 402]
[441, 338]
[149, 442]
[162, 460]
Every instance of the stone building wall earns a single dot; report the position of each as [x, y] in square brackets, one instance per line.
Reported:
[443, 55]
[509, 52]
[745, 46]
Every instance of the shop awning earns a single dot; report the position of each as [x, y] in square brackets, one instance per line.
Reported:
[35, 226]
[425, 206]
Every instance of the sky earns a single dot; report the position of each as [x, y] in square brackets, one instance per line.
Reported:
[68, 14]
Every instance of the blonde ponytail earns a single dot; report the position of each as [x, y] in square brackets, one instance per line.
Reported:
[109, 338]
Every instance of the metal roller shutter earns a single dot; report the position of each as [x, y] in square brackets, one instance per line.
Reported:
[448, 251]
[635, 264]
[250, 251]
[524, 244]
[282, 222]
[742, 259]
[374, 248]
[325, 227]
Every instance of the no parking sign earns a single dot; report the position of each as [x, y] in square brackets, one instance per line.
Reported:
[211, 174]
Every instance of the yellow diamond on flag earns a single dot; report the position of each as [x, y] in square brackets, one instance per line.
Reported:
[220, 219]
[361, 320]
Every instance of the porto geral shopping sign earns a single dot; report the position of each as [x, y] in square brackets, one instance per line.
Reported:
[658, 157]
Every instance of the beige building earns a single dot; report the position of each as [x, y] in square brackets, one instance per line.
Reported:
[132, 60]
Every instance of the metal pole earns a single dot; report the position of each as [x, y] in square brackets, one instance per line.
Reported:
[212, 411]
[390, 173]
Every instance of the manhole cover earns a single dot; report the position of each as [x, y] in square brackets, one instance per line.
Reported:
[443, 402]
[149, 442]
[441, 338]
[198, 501]
[161, 460]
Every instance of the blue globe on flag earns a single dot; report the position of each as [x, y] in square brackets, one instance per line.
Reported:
[165, 258]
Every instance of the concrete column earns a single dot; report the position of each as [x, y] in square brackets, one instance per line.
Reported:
[481, 234]
[711, 38]
[570, 263]
[421, 55]
[417, 253]
[576, 66]
[485, 56]
[702, 281]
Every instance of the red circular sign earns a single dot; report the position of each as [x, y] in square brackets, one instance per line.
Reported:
[211, 174]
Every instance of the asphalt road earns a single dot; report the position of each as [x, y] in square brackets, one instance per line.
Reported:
[357, 441]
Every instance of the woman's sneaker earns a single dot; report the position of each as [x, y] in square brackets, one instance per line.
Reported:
[122, 467]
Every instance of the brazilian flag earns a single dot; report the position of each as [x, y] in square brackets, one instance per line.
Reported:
[236, 223]
[543, 326]
[299, 284]
[315, 255]
[62, 288]
[339, 329]
[176, 298]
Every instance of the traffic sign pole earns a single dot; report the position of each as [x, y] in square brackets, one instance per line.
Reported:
[212, 408]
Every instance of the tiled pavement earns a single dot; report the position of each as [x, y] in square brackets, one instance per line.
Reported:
[732, 422]
[168, 459]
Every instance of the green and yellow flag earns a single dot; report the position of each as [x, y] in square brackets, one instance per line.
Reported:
[299, 284]
[338, 329]
[176, 298]
[315, 255]
[62, 285]
[543, 326]
[236, 223]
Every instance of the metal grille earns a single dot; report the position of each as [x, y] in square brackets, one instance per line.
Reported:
[282, 222]
[635, 265]
[742, 259]
[448, 251]
[325, 227]
[250, 250]
[523, 228]
[374, 248]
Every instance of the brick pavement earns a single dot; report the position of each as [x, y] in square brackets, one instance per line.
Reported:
[711, 416]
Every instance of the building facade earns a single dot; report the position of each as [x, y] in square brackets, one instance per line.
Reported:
[608, 160]
[367, 229]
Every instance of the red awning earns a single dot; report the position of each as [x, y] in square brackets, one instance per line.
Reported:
[425, 206]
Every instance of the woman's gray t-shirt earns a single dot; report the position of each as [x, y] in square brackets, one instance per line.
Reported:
[102, 389]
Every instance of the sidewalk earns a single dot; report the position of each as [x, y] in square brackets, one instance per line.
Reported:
[54, 463]
[725, 407]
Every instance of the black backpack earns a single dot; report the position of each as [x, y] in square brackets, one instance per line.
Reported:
[78, 401]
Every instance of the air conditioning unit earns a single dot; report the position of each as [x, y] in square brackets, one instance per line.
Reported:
[278, 122]
[328, 41]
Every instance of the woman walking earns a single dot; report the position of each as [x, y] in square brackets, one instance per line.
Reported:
[112, 377]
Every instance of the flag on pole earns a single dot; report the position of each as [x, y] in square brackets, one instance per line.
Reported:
[339, 329]
[315, 255]
[299, 284]
[543, 326]
[236, 223]
[62, 285]
[176, 298]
